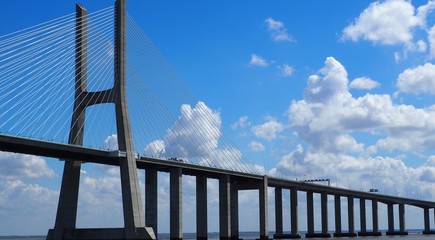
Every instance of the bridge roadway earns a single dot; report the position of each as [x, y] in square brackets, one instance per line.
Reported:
[78, 153]
[231, 182]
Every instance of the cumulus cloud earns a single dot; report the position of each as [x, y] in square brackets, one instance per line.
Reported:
[258, 61]
[277, 31]
[17, 166]
[417, 80]
[155, 148]
[373, 25]
[101, 201]
[364, 83]
[256, 146]
[31, 205]
[424, 10]
[328, 116]
[269, 129]
[195, 138]
[195, 133]
[111, 142]
[242, 122]
[331, 84]
[285, 70]
[390, 175]
[431, 38]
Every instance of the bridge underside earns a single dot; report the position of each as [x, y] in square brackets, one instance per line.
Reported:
[102, 233]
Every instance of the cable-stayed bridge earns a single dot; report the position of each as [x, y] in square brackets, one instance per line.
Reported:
[91, 87]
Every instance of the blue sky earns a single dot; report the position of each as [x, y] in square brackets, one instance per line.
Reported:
[305, 89]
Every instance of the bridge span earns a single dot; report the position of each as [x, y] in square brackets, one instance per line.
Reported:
[230, 183]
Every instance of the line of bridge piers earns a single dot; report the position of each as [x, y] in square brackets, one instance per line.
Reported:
[229, 202]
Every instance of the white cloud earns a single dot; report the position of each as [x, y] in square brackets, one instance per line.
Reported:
[331, 85]
[100, 201]
[17, 166]
[256, 146]
[195, 133]
[328, 116]
[31, 205]
[418, 80]
[111, 142]
[421, 46]
[397, 57]
[431, 38]
[278, 31]
[155, 148]
[374, 25]
[195, 138]
[258, 61]
[242, 122]
[390, 175]
[364, 83]
[424, 10]
[269, 129]
[285, 70]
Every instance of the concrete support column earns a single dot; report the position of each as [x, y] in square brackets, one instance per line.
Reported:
[375, 216]
[134, 218]
[337, 201]
[151, 199]
[224, 208]
[234, 205]
[66, 215]
[310, 213]
[278, 211]
[402, 218]
[293, 214]
[350, 214]
[175, 204]
[324, 209]
[362, 215]
[338, 228]
[201, 208]
[294, 211]
[264, 228]
[426, 221]
[390, 217]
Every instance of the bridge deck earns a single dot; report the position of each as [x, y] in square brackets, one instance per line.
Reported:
[78, 153]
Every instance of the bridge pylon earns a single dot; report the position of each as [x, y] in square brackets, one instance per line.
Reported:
[134, 220]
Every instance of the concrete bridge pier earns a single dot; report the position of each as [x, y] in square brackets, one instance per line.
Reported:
[134, 221]
[201, 208]
[338, 227]
[151, 199]
[375, 218]
[278, 214]
[324, 210]
[375, 231]
[175, 204]
[337, 208]
[351, 216]
[427, 229]
[279, 233]
[391, 230]
[294, 233]
[362, 218]
[234, 206]
[224, 208]
[264, 214]
[310, 216]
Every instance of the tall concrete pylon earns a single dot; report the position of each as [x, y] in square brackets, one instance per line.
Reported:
[134, 220]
